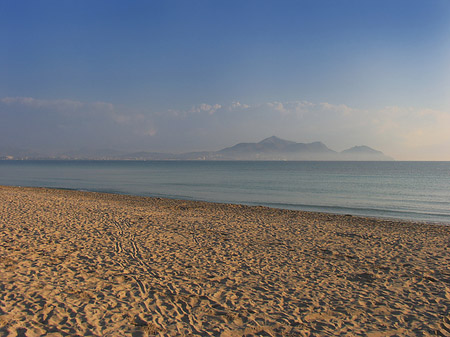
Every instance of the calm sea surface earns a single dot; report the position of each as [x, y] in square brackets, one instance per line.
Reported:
[403, 190]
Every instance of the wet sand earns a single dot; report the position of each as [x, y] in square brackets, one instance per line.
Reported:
[91, 264]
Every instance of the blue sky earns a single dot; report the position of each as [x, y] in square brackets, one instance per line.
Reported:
[201, 75]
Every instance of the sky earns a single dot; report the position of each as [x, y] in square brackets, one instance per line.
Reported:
[178, 76]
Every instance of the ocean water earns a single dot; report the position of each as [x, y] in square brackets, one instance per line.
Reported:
[417, 191]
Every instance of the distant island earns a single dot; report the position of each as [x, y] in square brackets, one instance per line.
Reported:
[272, 148]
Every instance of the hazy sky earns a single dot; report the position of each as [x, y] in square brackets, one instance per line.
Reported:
[201, 75]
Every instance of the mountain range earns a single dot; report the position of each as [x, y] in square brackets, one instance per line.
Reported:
[272, 148]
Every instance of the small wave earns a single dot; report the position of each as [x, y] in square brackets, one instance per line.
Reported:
[434, 217]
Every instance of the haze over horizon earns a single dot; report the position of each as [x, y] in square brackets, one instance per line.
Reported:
[178, 76]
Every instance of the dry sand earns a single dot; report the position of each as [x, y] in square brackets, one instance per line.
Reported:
[91, 264]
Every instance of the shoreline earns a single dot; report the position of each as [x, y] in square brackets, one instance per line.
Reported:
[79, 263]
[402, 191]
[295, 208]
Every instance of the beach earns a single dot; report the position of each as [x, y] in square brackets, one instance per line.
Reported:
[92, 264]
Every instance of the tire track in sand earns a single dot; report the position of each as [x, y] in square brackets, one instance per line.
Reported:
[123, 230]
[117, 238]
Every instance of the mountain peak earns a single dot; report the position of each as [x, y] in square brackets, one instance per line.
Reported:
[361, 149]
[275, 140]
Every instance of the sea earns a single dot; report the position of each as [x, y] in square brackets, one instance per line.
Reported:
[417, 191]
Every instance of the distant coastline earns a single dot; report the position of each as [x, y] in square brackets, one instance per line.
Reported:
[270, 149]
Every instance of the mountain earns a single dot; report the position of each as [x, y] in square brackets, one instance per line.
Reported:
[364, 153]
[272, 148]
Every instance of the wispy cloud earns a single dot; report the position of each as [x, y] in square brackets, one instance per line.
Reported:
[204, 107]
[61, 104]
[238, 106]
[56, 125]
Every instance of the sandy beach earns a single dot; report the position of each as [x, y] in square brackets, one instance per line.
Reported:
[91, 264]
